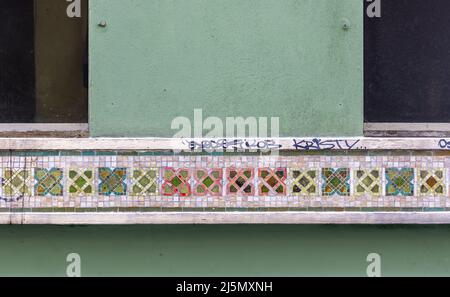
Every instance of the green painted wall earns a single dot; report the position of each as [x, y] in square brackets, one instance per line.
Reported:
[225, 250]
[160, 59]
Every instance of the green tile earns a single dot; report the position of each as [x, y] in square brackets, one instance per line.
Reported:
[127, 153]
[151, 209]
[44, 209]
[88, 153]
[70, 153]
[193, 209]
[105, 153]
[86, 209]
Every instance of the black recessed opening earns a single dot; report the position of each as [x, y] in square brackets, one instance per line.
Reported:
[407, 62]
[43, 54]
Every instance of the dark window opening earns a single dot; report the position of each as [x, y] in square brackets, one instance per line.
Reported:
[43, 56]
[407, 63]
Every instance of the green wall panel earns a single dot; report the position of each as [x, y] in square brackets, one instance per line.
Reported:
[159, 59]
[225, 250]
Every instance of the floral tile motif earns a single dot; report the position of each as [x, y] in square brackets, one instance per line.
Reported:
[48, 182]
[431, 182]
[16, 182]
[112, 181]
[272, 182]
[399, 181]
[208, 182]
[144, 182]
[336, 181]
[304, 182]
[80, 182]
[240, 181]
[176, 181]
[367, 182]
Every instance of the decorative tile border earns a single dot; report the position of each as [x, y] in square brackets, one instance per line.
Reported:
[147, 181]
[80, 182]
[336, 181]
[304, 181]
[367, 182]
[144, 181]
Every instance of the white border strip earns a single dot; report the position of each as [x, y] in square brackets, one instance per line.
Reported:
[412, 127]
[43, 127]
[186, 145]
[177, 218]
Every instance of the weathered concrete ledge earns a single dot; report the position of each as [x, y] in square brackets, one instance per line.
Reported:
[178, 218]
[216, 144]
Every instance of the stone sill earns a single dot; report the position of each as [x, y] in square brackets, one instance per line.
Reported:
[188, 145]
[177, 218]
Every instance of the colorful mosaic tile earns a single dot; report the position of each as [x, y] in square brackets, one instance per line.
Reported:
[112, 181]
[399, 181]
[272, 182]
[144, 182]
[208, 182]
[304, 182]
[314, 181]
[336, 181]
[16, 182]
[80, 182]
[176, 181]
[367, 182]
[240, 181]
[431, 182]
[48, 181]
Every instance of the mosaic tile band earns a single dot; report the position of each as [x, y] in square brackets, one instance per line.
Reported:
[107, 181]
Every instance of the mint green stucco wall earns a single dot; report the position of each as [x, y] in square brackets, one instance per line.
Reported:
[160, 59]
[225, 250]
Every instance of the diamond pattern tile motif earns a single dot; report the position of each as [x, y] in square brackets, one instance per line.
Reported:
[431, 182]
[336, 181]
[240, 181]
[48, 182]
[176, 181]
[16, 183]
[144, 182]
[304, 182]
[272, 182]
[80, 182]
[208, 182]
[399, 181]
[367, 182]
[112, 181]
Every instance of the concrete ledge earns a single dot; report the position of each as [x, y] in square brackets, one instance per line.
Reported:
[241, 144]
[175, 218]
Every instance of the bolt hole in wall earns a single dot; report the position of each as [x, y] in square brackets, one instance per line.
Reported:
[43, 64]
[407, 68]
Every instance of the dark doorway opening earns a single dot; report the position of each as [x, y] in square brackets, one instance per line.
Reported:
[407, 63]
[43, 55]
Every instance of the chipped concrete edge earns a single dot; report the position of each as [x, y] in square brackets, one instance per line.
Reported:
[179, 218]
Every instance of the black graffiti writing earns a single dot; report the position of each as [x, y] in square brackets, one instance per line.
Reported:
[235, 144]
[11, 200]
[444, 144]
[327, 144]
